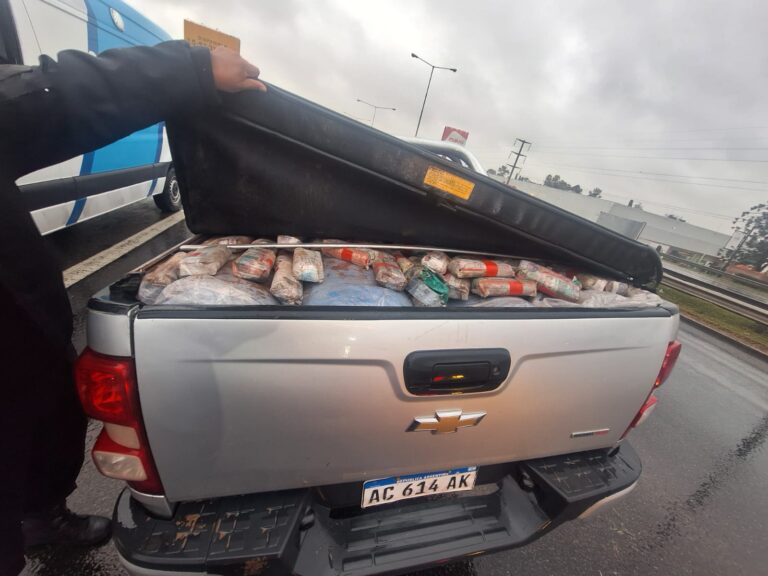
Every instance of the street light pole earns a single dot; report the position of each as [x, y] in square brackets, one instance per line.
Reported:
[375, 108]
[431, 72]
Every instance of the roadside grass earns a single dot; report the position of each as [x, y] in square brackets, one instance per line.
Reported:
[738, 327]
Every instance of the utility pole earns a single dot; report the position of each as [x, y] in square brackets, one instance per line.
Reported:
[517, 154]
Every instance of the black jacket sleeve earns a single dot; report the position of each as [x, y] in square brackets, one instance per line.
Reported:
[59, 110]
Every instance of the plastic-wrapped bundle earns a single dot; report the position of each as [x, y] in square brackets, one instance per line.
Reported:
[404, 263]
[436, 261]
[547, 302]
[254, 264]
[285, 287]
[496, 302]
[486, 287]
[640, 299]
[388, 273]
[228, 240]
[423, 295]
[616, 287]
[549, 282]
[307, 265]
[347, 284]
[472, 268]
[282, 239]
[592, 282]
[206, 261]
[358, 256]
[210, 291]
[458, 288]
[227, 275]
[430, 279]
[162, 274]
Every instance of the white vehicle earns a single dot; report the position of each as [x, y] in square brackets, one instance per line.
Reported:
[124, 172]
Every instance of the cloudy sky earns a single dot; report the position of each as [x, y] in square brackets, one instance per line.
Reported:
[663, 101]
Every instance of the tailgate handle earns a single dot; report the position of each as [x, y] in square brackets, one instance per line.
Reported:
[435, 372]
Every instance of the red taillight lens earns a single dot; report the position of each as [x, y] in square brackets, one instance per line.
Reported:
[105, 386]
[108, 392]
[670, 358]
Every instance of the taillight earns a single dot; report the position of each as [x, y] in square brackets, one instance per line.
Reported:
[670, 359]
[644, 412]
[108, 392]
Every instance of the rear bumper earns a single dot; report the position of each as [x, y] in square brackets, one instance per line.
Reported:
[289, 532]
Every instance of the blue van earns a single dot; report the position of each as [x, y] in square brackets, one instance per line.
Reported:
[131, 169]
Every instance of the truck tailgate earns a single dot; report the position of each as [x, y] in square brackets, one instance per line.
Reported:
[239, 402]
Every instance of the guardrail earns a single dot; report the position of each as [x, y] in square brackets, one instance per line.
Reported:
[715, 272]
[736, 302]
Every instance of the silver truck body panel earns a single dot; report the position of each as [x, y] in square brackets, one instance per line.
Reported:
[242, 405]
[110, 334]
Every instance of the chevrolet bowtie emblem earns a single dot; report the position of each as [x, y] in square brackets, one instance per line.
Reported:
[446, 421]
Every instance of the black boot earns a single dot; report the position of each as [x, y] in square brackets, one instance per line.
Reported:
[60, 526]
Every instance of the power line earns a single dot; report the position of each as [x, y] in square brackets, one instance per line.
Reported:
[674, 207]
[698, 184]
[659, 173]
[740, 148]
[656, 157]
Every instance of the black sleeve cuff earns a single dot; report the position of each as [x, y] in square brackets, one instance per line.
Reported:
[201, 59]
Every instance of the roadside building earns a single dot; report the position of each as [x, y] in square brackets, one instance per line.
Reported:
[670, 236]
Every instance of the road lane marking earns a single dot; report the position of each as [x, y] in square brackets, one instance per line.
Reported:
[74, 274]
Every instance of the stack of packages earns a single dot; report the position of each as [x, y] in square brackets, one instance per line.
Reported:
[215, 275]
[350, 276]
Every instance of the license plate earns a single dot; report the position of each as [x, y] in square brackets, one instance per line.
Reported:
[388, 490]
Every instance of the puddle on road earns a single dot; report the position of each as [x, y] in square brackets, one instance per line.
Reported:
[678, 512]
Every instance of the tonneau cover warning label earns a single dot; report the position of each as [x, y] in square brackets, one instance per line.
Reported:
[450, 183]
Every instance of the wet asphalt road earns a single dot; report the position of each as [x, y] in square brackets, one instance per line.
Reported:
[700, 507]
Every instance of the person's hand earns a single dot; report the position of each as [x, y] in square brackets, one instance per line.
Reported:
[232, 73]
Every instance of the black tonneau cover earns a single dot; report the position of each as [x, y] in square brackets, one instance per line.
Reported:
[274, 163]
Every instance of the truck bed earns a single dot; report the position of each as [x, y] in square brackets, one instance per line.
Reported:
[243, 400]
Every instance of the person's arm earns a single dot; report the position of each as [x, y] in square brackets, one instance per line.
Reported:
[58, 110]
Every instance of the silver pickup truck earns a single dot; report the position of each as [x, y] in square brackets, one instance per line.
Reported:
[341, 440]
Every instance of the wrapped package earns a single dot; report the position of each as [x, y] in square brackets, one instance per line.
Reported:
[358, 256]
[206, 261]
[285, 287]
[458, 288]
[282, 239]
[432, 281]
[602, 299]
[155, 280]
[347, 284]
[644, 299]
[616, 287]
[423, 295]
[549, 282]
[486, 287]
[388, 273]
[496, 302]
[203, 290]
[227, 275]
[254, 264]
[307, 265]
[228, 240]
[473, 268]
[436, 261]
[404, 263]
[592, 282]
[547, 302]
